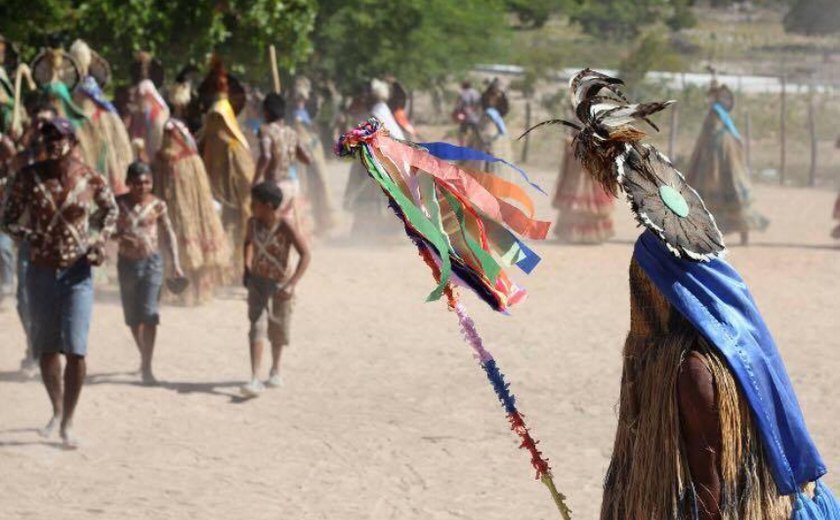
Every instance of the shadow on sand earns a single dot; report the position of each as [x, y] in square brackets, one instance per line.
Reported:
[40, 441]
[227, 389]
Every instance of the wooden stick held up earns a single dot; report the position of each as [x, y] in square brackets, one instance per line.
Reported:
[272, 53]
[22, 71]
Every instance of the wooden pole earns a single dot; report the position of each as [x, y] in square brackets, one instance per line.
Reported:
[275, 74]
[812, 130]
[672, 138]
[748, 140]
[22, 71]
[411, 105]
[783, 137]
[527, 125]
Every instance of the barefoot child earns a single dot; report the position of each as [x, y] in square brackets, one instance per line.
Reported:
[268, 241]
[140, 265]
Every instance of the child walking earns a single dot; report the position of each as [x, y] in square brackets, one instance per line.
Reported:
[140, 264]
[268, 241]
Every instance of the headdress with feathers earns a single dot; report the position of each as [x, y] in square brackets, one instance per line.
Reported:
[146, 66]
[219, 82]
[91, 63]
[607, 142]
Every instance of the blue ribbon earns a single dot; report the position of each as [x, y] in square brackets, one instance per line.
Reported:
[496, 117]
[91, 88]
[451, 152]
[302, 115]
[726, 119]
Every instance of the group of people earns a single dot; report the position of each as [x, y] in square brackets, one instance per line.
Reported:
[166, 185]
[85, 184]
[178, 208]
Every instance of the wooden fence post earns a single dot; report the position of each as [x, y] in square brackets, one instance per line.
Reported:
[783, 137]
[527, 125]
[812, 130]
[748, 140]
[672, 138]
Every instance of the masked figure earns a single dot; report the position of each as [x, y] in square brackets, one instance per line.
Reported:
[709, 426]
[148, 111]
[225, 150]
[110, 152]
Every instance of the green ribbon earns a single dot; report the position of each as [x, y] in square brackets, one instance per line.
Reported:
[489, 266]
[415, 218]
[73, 112]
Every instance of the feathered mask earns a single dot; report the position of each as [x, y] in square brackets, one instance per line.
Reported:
[607, 143]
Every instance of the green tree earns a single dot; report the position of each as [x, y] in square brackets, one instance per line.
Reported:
[418, 41]
[813, 17]
[178, 31]
[619, 19]
[651, 52]
[626, 19]
[533, 14]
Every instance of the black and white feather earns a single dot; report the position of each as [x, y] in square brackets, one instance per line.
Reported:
[607, 143]
[643, 174]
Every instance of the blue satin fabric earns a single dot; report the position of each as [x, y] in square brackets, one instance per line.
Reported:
[496, 117]
[451, 152]
[302, 115]
[727, 121]
[715, 299]
[91, 88]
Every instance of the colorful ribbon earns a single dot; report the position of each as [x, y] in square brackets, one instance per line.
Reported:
[463, 226]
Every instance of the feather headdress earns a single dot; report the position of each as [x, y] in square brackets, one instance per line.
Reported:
[607, 142]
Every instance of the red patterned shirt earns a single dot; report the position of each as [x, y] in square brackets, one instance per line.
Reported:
[69, 206]
[271, 249]
[138, 224]
[278, 146]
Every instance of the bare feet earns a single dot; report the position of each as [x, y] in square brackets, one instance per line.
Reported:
[70, 441]
[29, 367]
[149, 378]
[49, 429]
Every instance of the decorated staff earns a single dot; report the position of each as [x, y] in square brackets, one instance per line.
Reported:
[464, 223]
[709, 426]
[11, 115]
[57, 73]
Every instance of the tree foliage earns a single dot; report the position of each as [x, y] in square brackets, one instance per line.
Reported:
[418, 41]
[533, 14]
[650, 52]
[813, 17]
[178, 31]
[626, 19]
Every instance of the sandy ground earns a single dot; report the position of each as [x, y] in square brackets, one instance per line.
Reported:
[385, 415]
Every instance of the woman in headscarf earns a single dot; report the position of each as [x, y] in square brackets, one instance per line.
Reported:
[718, 169]
[490, 135]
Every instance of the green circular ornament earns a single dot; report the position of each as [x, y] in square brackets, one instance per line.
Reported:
[674, 201]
